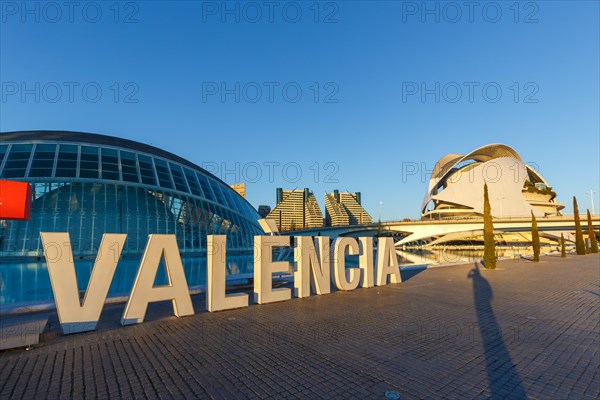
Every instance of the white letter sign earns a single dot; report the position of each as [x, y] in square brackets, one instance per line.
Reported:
[73, 316]
[313, 269]
[264, 266]
[387, 262]
[216, 298]
[345, 278]
[145, 292]
[365, 262]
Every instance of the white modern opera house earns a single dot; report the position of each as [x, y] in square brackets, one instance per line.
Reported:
[515, 189]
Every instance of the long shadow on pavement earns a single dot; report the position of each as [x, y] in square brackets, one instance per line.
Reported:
[503, 378]
[407, 274]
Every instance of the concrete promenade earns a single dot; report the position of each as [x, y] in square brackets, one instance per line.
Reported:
[523, 330]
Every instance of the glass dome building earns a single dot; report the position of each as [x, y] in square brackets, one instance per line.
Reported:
[89, 184]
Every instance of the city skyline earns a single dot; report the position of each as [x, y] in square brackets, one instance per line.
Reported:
[211, 89]
[270, 168]
[208, 199]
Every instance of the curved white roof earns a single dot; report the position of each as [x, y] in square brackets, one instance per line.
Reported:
[463, 195]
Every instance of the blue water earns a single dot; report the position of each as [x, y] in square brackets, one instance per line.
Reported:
[28, 283]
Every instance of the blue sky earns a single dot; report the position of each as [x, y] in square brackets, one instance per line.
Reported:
[220, 87]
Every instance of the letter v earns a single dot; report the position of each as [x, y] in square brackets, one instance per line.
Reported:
[73, 316]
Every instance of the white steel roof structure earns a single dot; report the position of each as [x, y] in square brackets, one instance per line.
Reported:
[515, 189]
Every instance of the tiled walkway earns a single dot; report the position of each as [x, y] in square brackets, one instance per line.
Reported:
[524, 330]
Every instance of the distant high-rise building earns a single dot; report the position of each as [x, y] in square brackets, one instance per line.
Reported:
[344, 208]
[263, 211]
[240, 188]
[296, 209]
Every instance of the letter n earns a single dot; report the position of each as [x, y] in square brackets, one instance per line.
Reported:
[313, 266]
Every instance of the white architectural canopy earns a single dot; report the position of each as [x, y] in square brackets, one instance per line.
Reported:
[515, 189]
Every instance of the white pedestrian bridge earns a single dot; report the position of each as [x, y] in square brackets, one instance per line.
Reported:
[433, 232]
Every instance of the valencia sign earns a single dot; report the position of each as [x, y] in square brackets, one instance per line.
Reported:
[319, 267]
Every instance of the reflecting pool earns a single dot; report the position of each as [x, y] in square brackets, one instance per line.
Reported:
[28, 283]
[450, 255]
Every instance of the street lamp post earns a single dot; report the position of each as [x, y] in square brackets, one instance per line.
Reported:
[379, 223]
[592, 200]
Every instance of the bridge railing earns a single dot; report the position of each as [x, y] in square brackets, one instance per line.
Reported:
[569, 217]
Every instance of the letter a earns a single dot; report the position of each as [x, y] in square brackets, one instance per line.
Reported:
[145, 292]
[387, 262]
[73, 316]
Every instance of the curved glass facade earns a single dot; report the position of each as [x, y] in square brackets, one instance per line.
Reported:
[88, 185]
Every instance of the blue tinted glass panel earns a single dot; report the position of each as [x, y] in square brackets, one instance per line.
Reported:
[129, 167]
[208, 193]
[146, 170]
[229, 194]
[193, 182]
[251, 213]
[3, 149]
[237, 203]
[217, 191]
[164, 178]
[110, 164]
[17, 161]
[88, 164]
[66, 165]
[43, 160]
[178, 178]
[248, 210]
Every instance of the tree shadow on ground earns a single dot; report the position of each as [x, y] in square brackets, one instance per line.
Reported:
[504, 380]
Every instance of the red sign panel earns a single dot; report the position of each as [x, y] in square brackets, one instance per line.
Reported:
[15, 200]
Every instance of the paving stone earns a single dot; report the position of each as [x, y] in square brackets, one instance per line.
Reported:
[523, 330]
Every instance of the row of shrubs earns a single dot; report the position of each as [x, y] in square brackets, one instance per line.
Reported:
[489, 254]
